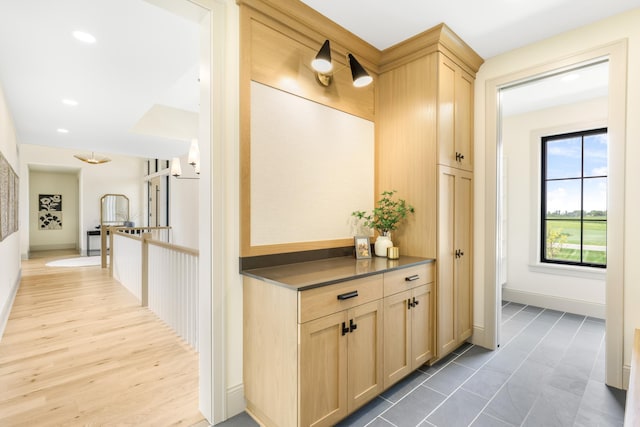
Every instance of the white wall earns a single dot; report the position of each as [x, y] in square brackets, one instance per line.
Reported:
[10, 246]
[65, 184]
[183, 208]
[560, 288]
[122, 175]
[624, 26]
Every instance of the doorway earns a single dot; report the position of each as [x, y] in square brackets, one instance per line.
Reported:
[565, 103]
[54, 208]
[615, 54]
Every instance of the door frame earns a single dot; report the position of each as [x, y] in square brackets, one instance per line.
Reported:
[616, 53]
[218, 136]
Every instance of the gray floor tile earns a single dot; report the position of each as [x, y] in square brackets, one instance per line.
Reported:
[463, 348]
[570, 379]
[460, 409]
[532, 375]
[404, 386]
[240, 420]
[604, 399]
[511, 309]
[414, 407]
[595, 319]
[366, 414]
[449, 378]
[553, 408]
[475, 357]
[485, 420]
[589, 417]
[512, 403]
[548, 353]
[532, 309]
[507, 360]
[486, 382]
[379, 422]
[597, 373]
[439, 364]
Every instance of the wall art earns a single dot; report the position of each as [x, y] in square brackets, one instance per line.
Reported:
[9, 198]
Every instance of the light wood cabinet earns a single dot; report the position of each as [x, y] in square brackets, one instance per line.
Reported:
[408, 323]
[311, 357]
[314, 356]
[340, 363]
[455, 290]
[424, 150]
[408, 332]
[455, 115]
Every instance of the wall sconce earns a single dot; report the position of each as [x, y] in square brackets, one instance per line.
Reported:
[322, 66]
[194, 152]
[359, 75]
[176, 169]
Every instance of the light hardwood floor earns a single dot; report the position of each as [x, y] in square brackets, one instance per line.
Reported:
[79, 350]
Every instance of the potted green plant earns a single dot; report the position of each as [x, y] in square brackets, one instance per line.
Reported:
[385, 218]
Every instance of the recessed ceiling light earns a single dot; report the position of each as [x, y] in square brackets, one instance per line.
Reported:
[61, 130]
[70, 102]
[84, 37]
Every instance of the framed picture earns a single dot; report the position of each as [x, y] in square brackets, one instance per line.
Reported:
[363, 247]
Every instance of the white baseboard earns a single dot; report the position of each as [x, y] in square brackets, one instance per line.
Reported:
[478, 336]
[626, 374]
[555, 303]
[235, 400]
[6, 310]
[53, 247]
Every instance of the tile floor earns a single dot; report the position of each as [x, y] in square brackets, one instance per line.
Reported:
[548, 372]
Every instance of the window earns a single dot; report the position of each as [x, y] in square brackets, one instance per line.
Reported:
[574, 198]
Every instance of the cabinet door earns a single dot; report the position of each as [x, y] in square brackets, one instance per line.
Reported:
[455, 115]
[422, 324]
[397, 337]
[323, 371]
[463, 263]
[364, 350]
[446, 336]
[446, 112]
[464, 119]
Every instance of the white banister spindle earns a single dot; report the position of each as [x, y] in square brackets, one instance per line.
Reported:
[126, 263]
[171, 278]
[173, 289]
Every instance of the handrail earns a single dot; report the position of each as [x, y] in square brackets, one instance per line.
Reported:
[129, 236]
[116, 228]
[177, 248]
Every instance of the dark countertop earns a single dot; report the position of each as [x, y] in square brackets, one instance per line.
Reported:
[307, 275]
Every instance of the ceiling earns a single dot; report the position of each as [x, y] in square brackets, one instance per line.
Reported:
[137, 86]
[490, 27]
[144, 61]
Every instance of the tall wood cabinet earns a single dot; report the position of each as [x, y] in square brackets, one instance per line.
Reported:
[424, 150]
[455, 279]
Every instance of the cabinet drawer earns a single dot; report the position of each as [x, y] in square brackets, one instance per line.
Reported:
[407, 278]
[319, 302]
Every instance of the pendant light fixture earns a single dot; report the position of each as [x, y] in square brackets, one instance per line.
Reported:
[93, 160]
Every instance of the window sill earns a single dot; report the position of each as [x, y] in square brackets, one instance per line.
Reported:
[570, 270]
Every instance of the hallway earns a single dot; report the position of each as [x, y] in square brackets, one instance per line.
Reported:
[79, 350]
